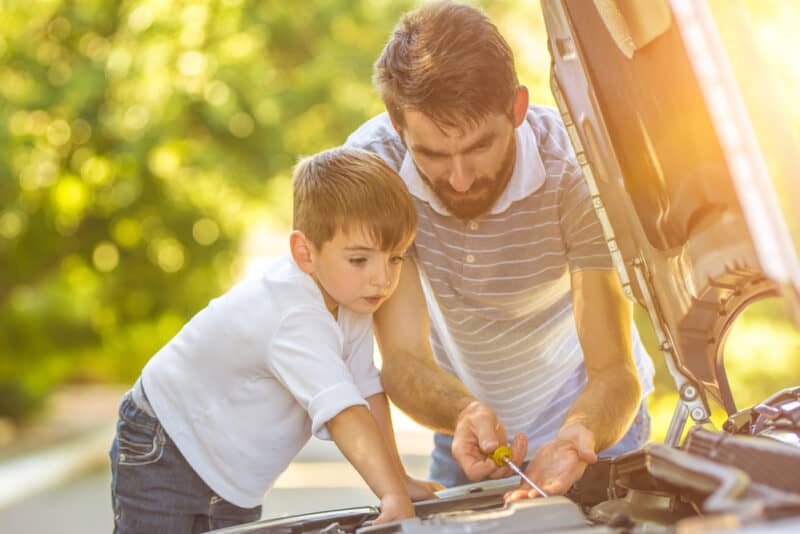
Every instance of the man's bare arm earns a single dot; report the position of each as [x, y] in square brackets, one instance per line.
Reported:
[412, 378]
[429, 394]
[613, 392]
[602, 412]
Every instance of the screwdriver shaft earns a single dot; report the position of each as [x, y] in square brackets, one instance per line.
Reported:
[527, 480]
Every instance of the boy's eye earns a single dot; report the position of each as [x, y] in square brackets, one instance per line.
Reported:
[396, 259]
[358, 261]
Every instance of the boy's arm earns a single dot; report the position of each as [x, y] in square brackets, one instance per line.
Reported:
[358, 436]
[418, 489]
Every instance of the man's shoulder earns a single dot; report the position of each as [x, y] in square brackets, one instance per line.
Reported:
[551, 134]
[552, 140]
[379, 136]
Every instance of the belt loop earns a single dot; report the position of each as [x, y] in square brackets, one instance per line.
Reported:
[140, 399]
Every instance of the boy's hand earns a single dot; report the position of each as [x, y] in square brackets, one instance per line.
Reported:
[395, 506]
[422, 490]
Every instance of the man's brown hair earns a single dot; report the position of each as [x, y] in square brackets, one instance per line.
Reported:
[448, 61]
[349, 188]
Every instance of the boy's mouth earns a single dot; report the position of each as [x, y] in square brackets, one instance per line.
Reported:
[374, 299]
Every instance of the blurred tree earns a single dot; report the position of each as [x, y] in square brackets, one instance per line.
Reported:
[137, 138]
[140, 140]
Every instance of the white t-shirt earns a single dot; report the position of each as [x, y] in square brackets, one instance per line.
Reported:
[241, 388]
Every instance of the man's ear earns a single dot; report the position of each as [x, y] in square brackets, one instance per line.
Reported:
[302, 250]
[520, 105]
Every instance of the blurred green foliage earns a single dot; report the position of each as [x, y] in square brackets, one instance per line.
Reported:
[137, 141]
[140, 142]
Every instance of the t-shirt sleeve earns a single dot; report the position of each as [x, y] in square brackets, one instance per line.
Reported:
[306, 357]
[581, 230]
[377, 135]
[360, 358]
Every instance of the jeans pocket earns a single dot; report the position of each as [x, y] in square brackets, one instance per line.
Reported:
[140, 436]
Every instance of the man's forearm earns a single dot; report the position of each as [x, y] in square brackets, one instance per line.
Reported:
[427, 393]
[607, 405]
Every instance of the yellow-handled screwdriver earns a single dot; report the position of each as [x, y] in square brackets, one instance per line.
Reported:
[502, 456]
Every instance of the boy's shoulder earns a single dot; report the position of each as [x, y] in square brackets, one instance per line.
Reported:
[286, 283]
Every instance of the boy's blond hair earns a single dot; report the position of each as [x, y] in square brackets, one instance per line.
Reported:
[448, 61]
[349, 188]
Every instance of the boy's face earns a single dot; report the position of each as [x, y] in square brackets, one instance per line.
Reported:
[352, 271]
[467, 169]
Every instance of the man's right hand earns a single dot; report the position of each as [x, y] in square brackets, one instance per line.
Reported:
[478, 433]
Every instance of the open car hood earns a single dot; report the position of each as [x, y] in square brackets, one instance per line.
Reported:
[679, 182]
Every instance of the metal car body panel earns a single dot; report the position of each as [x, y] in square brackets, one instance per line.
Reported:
[676, 174]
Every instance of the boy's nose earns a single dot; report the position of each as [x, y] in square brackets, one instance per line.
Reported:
[381, 277]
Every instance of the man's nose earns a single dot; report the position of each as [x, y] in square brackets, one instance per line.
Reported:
[461, 175]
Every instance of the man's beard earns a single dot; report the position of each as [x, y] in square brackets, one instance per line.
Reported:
[485, 190]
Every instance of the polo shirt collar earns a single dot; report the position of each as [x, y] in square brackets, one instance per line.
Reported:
[528, 176]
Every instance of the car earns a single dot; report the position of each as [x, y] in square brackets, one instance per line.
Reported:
[681, 186]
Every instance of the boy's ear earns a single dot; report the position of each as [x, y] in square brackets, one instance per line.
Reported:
[302, 249]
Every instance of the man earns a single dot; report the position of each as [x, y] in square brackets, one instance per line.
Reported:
[510, 320]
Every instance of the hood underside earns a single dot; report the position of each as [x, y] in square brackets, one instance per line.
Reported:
[677, 176]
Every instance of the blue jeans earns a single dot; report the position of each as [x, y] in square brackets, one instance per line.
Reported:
[153, 488]
[445, 470]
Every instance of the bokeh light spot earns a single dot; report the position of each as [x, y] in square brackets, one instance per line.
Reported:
[216, 93]
[59, 132]
[127, 232]
[192, 63]
[96, 170]
[11, 224]
[140, 19]
[105, 257]
[167, 253]
[205, 231]
[241, 125]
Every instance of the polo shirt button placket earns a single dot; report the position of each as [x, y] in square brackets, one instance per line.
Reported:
[473, 225]
[470, 258]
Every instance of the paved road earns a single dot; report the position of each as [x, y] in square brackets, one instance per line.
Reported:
[320, 479]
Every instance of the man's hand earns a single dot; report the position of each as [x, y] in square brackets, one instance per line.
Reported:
[559, 463]
[478, 433]
[395, 506]
[422, 490]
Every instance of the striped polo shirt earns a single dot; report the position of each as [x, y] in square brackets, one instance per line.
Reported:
[498, 286]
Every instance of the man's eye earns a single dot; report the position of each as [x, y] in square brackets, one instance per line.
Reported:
[358, 261]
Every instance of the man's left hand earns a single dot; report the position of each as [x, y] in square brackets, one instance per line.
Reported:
[559, 463]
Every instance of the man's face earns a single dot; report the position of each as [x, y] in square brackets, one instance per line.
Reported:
[467, 169]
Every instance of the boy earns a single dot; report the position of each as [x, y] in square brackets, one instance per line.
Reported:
[221, 410]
